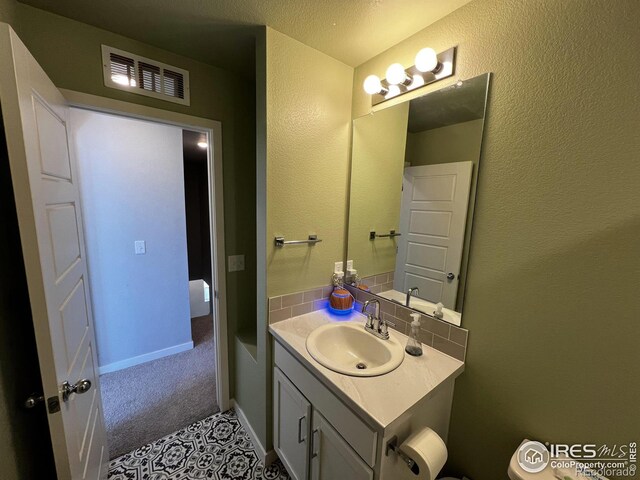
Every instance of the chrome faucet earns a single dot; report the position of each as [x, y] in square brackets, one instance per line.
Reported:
[411, 292]
[371, 318]
[380, 330]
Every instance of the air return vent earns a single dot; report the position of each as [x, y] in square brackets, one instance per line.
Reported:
[136, 74]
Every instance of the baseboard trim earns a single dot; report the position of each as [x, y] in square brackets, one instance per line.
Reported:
[266, 457]
[147, 357]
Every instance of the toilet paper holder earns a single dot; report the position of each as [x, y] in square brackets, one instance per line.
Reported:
[392, 445]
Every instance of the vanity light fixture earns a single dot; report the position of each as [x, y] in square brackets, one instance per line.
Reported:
[429, 67]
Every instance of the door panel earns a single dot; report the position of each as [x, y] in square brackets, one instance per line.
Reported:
[434, 188]
[292, 413]
[436, 224]
[73, 314]
[332, 457]
[49, 216]
[63, 229]
[430, 256]
[432, 223]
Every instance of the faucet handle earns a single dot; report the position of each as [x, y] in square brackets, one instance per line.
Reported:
[383, 328]
[387, 322]
[370, 319]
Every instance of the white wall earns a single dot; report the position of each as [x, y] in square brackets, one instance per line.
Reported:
[132, 188]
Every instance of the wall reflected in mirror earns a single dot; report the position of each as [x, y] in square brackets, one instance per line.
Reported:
[414, 176]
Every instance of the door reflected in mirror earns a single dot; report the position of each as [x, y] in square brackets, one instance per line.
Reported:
[414, 176]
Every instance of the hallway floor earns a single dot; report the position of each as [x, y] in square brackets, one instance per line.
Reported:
[146, 402]
[216, 447]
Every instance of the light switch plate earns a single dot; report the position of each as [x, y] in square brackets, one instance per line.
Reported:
[349, 265]
[338, 267]
[140, 247]
[236, 263]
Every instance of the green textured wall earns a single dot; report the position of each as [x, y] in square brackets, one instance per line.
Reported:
[308, 143]
[375, 196]
[8, 11]
[460, 142]
[69, 51]
[253, 346]
[552, 297]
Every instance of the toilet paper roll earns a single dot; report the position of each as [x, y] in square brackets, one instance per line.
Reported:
[429, 453]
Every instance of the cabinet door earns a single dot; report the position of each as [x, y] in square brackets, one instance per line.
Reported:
[292, 415]
[332, 458]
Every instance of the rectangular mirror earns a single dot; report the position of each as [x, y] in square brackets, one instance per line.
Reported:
[414, 172]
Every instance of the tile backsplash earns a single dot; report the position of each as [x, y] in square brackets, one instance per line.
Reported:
[440, 335]
[299, 303]
[379, 283]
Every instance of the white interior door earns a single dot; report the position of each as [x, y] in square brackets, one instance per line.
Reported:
[432, 223]
[44, 178]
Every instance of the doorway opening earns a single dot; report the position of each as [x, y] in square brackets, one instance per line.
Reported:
[146, 189]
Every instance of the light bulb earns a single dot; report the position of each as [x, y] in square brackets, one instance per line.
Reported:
[396, 74]
[426, 60]
[417, 81]
[372, 85]
[202, 144]
[393, 91]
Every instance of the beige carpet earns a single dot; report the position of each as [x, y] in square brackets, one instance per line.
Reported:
[148, 401]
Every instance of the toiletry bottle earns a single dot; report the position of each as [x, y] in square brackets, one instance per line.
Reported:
[414, 347]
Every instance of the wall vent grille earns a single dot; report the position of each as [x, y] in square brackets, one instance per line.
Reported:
[136, 74]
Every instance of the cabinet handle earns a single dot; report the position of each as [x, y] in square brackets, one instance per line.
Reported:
[314, 443]
[300, 439]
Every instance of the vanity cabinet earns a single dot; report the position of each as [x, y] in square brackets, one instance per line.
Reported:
[307, 444]
[316, 435]
[322, 433]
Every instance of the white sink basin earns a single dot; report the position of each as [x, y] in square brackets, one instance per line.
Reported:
[348, 349]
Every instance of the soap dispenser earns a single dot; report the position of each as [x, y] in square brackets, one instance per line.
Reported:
[414, 347]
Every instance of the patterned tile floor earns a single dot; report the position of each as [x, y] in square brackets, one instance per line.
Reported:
[214, 448]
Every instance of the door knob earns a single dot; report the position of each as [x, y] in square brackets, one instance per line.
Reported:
[33, 400]
[450, 276]
[80, 387]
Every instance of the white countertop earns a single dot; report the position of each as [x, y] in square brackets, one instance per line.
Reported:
[384, 398]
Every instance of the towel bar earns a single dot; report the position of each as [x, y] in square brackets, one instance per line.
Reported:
[313, 239]
[392, 233]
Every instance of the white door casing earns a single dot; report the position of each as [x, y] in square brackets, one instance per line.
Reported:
[433, 218]
[44, 177]
[213, 130]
